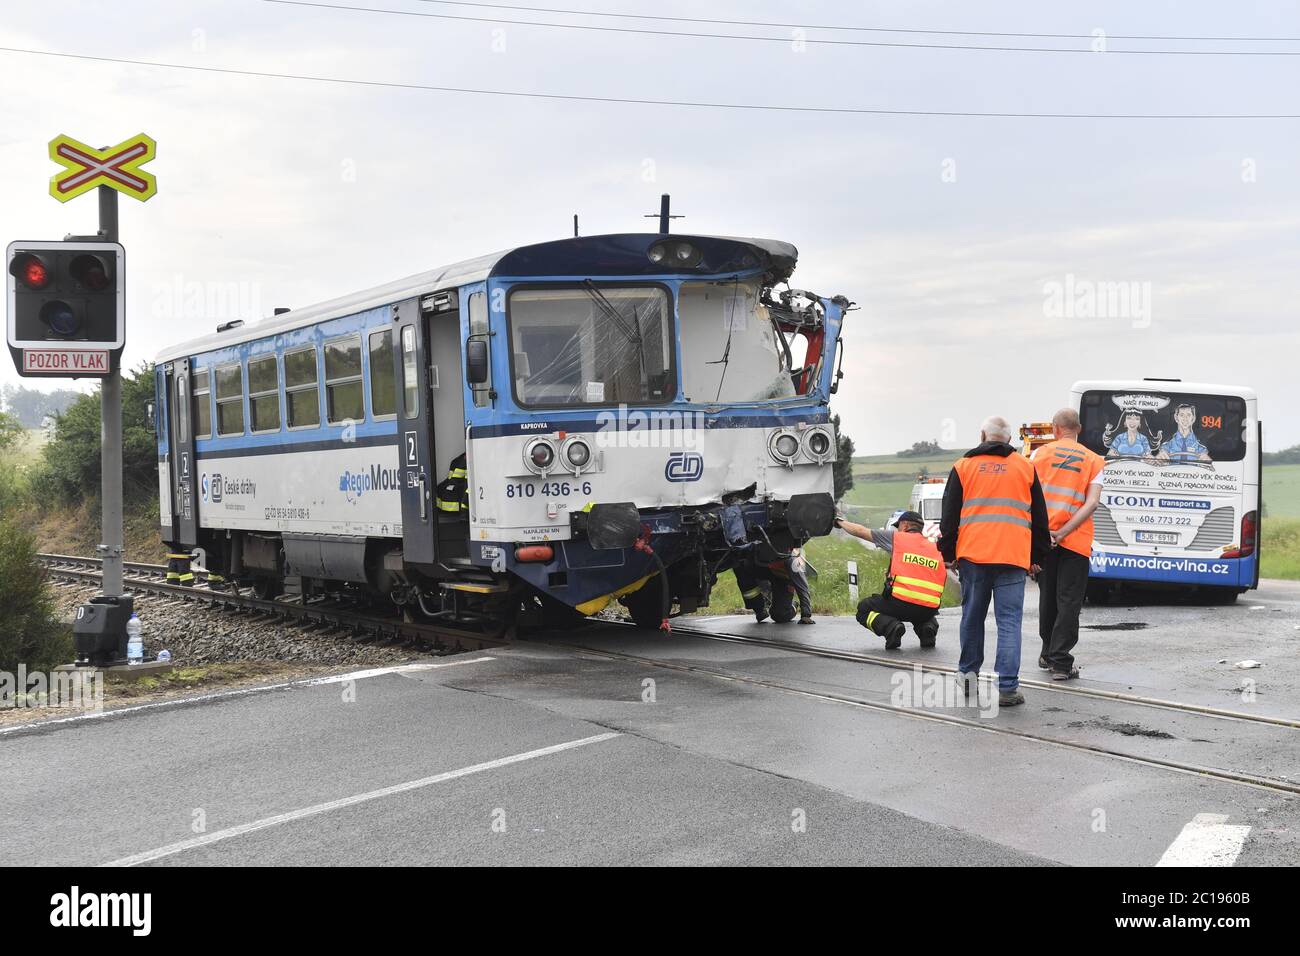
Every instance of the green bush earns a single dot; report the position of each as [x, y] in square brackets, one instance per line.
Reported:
[71, 465]
[29, 631]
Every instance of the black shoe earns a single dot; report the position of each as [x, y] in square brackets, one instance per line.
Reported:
[1010, 698]
[927, 633]
[760, 616]
[1043, 664]
[894, 639]
[806, 620]
[1071, 674]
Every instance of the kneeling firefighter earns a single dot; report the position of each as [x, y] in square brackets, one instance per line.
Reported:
[913, 585]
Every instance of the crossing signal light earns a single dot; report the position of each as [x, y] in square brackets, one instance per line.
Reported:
[30, 270]
[66, 295]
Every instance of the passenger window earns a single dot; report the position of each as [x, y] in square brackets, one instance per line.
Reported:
[264, 394]
[302, 396]
[343, 396]
[182, 409]
[202, 410]
[410, 374]
[478, 325]
[230, 400]
[383, 384]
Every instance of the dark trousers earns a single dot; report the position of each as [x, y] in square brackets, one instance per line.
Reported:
[880, 612]
[1061, 586]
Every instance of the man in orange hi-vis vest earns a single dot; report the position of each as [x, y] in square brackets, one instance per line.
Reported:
[913, 585]
[1071, 478]
[994, 526]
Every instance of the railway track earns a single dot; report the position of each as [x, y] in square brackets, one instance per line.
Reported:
[896, 664]
[363, 624]
[1266, 724]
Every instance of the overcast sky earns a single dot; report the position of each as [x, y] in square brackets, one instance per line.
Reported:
[960, 238]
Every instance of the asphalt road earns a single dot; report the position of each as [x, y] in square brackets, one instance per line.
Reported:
[631, 748]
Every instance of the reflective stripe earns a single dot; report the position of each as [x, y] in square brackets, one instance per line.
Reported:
[448, 505]
[1062, 490]
[994, 503]
[458, 473]
[999, 519]
[871, 617]
[1067, 509]
[931, 600]
[752, 593]
[918, 583]
[173, 575]
[187, 577]
[180, 557]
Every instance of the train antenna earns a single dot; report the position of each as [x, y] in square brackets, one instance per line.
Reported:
[575, 225]
[662, 215]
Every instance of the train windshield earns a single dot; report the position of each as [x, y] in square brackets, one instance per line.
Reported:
[731, 350]
[591, 345]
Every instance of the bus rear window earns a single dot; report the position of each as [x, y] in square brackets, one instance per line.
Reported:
[1170, 427]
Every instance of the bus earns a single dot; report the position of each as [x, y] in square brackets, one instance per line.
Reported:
[1180, 506]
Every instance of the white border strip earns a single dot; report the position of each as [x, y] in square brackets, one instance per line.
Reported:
[1207, 841]
[241, 692]
[172, 848]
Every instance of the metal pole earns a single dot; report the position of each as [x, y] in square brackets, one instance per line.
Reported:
[111, 435]
[663, 213]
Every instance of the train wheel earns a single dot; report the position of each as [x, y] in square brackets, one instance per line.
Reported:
[266, 588]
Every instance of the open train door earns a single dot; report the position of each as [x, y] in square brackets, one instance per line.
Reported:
[180, 455]
[415, 434]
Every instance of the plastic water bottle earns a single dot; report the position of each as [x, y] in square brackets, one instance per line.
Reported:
[134, 643]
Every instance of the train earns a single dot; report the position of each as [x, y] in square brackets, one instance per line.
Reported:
[520, 438]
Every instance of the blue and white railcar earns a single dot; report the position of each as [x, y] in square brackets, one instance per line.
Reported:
[615, 399]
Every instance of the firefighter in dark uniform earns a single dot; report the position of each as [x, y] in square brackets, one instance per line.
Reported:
[768, 588]
[452, 495]
[913, 584]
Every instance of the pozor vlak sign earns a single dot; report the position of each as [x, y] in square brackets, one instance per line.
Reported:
[66, 302]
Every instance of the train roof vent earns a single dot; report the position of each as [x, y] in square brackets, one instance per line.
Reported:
[232, 324]
[282, 309]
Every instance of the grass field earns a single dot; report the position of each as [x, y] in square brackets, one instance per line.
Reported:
[882, 484]
[830, 588]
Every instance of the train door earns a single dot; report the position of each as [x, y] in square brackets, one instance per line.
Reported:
[415, 434]
[180, 455]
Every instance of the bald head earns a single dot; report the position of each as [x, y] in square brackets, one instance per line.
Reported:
[1066, 423]
[995, 428]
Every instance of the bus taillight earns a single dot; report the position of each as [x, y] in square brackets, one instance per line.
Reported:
[1249, 536]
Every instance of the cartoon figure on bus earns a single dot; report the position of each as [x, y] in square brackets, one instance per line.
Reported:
[1183, 445]
[1130, 437]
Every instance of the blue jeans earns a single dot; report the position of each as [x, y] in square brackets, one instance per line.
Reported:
[1005, 586]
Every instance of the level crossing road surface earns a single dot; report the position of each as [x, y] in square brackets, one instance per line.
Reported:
[607, 745]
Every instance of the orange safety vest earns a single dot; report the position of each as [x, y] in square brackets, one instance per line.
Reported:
[1065, 470]
[995, 510]
[916, 570]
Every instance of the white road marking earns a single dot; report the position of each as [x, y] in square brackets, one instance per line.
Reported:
[209, 838]
[1207, 841]
[242, 692]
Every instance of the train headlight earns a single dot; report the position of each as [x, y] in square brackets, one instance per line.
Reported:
[783, 446]
[539, 455]
[677, 254]
[818, 445]
[577, 453]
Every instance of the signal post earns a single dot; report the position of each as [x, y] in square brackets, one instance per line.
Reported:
[67, 319]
